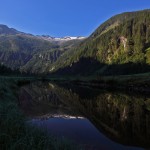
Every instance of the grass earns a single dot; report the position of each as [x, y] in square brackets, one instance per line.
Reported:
[15, 133]
[135, 82]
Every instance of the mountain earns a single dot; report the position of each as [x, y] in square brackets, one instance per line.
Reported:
[66, 38]
[31, 53]
[17, 50]
[42, 60]
[121, 45]
[5, 30]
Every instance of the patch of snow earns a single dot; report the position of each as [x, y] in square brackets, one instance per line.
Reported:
[66, 38]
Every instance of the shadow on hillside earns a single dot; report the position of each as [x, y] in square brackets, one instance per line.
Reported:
[90, 66]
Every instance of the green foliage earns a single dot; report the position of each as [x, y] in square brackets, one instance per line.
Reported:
[29, 53]
[15, 133]
[148, 56]
[17, 50]
[122, 39]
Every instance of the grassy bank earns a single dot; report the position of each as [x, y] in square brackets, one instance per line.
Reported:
[15, 134]
[135, 82]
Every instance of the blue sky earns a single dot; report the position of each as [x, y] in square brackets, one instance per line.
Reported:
[63, 17]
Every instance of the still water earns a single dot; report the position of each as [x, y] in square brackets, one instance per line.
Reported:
[93, 118]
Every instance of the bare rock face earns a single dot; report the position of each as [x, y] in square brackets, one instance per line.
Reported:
[123, 40]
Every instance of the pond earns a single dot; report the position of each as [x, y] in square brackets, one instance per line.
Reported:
[93, 118]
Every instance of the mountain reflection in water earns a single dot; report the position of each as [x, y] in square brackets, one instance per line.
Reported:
[101, 120]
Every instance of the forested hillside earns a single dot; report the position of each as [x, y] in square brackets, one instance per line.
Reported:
[120, 44]
[30, 53]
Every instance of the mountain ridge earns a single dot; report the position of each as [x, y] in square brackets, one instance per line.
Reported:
[17, 49]
[122, 39]
[65, 38]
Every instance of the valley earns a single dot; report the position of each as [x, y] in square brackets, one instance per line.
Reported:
[120, 46]
[77, 92]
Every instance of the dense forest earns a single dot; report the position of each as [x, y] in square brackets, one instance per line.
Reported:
[121, 45]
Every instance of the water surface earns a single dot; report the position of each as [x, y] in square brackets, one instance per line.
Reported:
[93, 118]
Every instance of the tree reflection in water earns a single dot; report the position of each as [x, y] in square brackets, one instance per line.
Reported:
[123, 118]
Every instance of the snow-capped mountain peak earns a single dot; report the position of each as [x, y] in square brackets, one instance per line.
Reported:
[66, 38]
